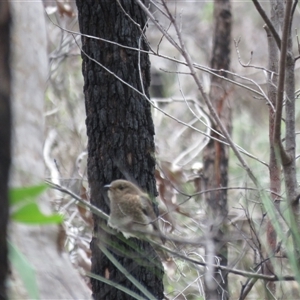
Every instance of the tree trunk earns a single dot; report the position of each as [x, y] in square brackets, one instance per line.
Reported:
[5, 128]
[274, 162]
[120, 135]
[215, 156]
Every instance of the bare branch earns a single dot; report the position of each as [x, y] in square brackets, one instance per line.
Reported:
[82, 202]
[230, 270]
[248, 65]
[160, 28]
[246, 288]
[268, 22]
[280, 94]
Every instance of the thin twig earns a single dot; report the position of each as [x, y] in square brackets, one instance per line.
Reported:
[172, 59]
[248, 65]
[230, 270]
[83, 202]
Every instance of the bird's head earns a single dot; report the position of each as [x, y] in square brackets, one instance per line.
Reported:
[121, 187]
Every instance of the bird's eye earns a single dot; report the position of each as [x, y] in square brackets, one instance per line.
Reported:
[121, 187]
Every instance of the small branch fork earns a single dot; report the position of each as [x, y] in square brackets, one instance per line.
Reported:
[268, 22]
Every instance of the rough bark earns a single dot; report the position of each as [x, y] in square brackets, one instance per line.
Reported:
[215, 156]
[120, 135]
[5, 135]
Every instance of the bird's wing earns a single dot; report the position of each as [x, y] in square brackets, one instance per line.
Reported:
[147, 207]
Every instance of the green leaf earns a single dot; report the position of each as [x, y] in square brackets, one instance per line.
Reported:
[30, 192]
[31, 214]
[24, 207]
[25, 270]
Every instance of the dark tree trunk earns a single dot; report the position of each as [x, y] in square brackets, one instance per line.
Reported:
[120, 135]
[5, 128]
[215, 156]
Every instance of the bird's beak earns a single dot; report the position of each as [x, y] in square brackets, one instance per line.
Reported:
[107, 186]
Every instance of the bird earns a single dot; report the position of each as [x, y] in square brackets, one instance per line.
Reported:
[131, 211]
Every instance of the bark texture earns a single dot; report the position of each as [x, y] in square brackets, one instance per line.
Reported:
[5, 136]
[274, 162]
[120, 135]
[215, 155]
